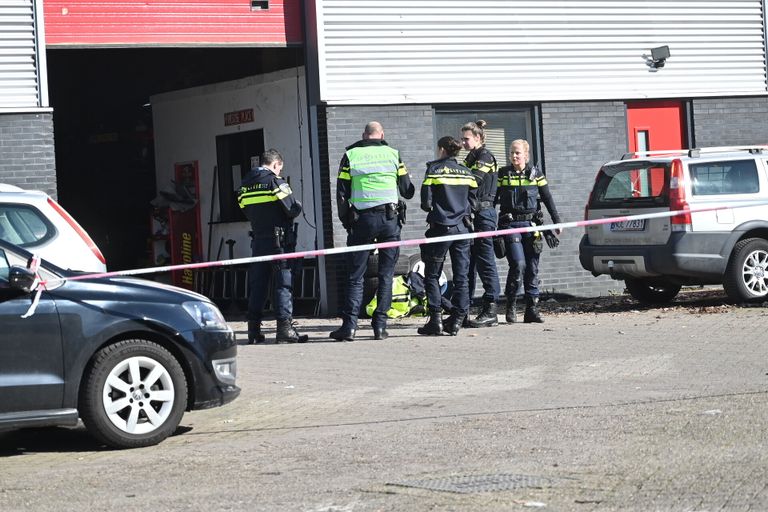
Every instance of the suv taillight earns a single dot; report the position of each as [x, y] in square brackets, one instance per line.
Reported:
[80, 231]
[589, 199]
[677, 198]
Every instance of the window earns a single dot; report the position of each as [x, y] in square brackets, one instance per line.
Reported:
[631, 183]
[503, 127]
[24, 225]
[235, 154]
[719, 178]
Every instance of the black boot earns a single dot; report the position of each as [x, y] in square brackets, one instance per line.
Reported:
[488, 317]
[380, 331]
[254, 332]
[343, 333]
[532, 311]
[453, 324]
[287, 333]
[511, 310]
[434, 327]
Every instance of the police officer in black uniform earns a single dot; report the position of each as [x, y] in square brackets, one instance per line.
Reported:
[521, 189]
[448, 194]
[268, 202]
[372, 177]
[482, 261]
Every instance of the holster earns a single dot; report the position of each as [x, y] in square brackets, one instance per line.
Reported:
[499, 248]
[391, 211]
[352, 217]
[402, 209]
[538, 242]
[279, 237]
[468, 223]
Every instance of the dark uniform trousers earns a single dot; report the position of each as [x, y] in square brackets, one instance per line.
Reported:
[371, 226]
[258, 280]
[482, 257]
[523, 262]
[434, 258]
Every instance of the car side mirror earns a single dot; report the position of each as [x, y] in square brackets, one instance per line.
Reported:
[21, 278]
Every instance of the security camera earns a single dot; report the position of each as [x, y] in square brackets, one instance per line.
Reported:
[659, 56]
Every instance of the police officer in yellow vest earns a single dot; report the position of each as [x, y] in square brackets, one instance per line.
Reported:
[268, 202]
[372, 178]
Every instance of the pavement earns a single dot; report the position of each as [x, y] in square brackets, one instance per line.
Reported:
[605, 406]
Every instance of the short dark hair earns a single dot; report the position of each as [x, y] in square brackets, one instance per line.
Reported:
[271, 155]
[450, 145]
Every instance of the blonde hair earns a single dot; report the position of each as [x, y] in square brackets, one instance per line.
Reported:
[521, 142]
[476, 127]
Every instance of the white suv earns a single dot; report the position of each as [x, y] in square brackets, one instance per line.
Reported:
[656, 256]
[34, 221]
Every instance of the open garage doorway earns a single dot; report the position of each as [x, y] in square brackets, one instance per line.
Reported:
[105, 165]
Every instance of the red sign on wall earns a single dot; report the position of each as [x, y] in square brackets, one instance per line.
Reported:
[238, 117]
[186, 243]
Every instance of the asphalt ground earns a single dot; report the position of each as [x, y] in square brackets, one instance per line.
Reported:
[605, 406]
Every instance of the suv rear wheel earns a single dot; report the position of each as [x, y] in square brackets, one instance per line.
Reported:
[134, 394]
[746, 277]
[652, 291]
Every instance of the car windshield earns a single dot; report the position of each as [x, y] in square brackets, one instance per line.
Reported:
[632, 183]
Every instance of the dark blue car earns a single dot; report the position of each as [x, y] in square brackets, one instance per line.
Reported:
[127, 356]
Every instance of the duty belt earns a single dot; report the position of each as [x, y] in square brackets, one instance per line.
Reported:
[375, 209]
[483, 205]
[518, 216]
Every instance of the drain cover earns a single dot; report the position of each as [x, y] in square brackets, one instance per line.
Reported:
[477, 483]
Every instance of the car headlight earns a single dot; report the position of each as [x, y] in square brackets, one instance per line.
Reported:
[206, 315]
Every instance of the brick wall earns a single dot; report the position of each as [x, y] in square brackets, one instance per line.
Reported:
[730, 121]
[578, 139]
[407, 128]
[27, 151]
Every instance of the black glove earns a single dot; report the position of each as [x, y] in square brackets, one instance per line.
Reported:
[551, 239]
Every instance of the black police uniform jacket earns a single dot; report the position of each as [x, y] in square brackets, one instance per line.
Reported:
[267, 201]
[483, 165]
[448, 193]
[519, 192]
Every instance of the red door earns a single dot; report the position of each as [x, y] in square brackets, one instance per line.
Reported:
[655, 125]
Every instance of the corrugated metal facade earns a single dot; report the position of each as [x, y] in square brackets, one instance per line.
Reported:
[92, 23]
[436, 51]
[21, 86]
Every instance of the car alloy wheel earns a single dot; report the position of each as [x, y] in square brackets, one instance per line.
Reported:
[134, 394]
[746, 277]
[138, 395]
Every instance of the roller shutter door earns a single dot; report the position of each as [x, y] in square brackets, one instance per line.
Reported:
[19, 77]
[434, 51]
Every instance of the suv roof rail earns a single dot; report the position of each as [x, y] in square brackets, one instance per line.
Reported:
[695, 152]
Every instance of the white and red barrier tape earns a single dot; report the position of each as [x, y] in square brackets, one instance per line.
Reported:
[41, 284]
[386, 245]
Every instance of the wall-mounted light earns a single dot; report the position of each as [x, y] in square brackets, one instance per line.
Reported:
[658, 57]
